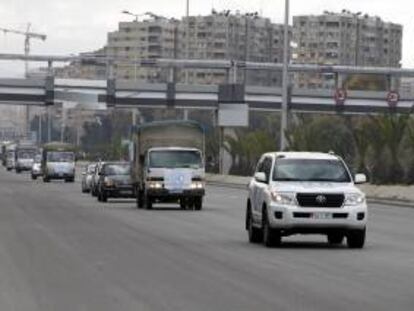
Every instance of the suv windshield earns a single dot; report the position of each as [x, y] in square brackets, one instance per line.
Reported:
[175, 159]
[310, 170]
[117, 169]
[58, 156]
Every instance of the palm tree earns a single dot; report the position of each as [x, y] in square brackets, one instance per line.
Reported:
[389, 131]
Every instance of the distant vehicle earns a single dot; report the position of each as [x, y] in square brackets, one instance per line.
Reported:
[87, 176]
[95, 178]
[37, 167]
[115, 181]
[305, 193]
[168, 164]
[58, 162]
[25, 154]
[10, 156]
[3, 156]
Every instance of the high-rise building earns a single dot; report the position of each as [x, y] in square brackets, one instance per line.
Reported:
[344, 39]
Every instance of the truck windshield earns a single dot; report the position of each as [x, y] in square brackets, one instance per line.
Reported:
[117, 169]
[59, 156]
[310, 170]
[175, 159]
[26, 154]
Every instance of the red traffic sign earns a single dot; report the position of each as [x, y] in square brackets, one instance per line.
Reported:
[393, 98]
[340, 96]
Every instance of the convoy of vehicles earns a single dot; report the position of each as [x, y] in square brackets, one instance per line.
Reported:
[290, 192]
[305, 193]
[58, 162]
[168, 164]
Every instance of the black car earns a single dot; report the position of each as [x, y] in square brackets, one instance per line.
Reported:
[115, 181]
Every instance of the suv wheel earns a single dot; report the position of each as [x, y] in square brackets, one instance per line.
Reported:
[271, 237]
[356, 238]
[335, 238]
[255, 234]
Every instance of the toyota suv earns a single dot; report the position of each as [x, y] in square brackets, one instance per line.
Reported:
[305, 193]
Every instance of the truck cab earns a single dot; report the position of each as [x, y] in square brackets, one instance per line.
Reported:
[58, 162]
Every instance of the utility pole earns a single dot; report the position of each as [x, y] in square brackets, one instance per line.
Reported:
[285, 81]
[187, 52]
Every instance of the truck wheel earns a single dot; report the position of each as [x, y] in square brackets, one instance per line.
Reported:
[104, 197]
[18, 171]
[335, 238]
[46, 180]
[139, 198]
[147, 202]
[356, 238]
[34, 177]
[198, 203]
[271, 237]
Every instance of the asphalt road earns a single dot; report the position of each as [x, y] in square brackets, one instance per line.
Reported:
[62, 250]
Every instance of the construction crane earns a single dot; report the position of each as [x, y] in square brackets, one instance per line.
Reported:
[28, 35]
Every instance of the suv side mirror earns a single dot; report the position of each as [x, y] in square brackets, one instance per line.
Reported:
[360, 179]
[260, 177]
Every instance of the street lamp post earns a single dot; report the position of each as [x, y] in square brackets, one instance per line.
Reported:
[285, 81]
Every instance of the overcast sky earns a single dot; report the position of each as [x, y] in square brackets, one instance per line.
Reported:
[74, 26]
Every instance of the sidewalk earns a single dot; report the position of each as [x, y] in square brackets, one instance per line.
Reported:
[391, 195]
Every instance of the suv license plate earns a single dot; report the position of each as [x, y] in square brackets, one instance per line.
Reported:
[322, 216]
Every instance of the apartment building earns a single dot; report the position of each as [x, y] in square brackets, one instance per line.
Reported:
[224, 36]
[344, 39]
[134, 41]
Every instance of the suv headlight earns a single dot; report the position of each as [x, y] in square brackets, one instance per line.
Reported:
[353, 199]
[283, 198]
[109, 182]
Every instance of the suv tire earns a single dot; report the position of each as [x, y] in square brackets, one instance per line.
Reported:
[356, 238]
[271, 237]
[255, 234]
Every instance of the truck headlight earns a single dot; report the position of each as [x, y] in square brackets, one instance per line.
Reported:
[155, 185]
[197, 185]
[109, 182]
[283, 198]
[353, 199]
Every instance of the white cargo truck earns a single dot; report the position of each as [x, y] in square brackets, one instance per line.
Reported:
[168, 164]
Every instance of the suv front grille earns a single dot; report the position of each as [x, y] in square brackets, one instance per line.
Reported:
[320, 200]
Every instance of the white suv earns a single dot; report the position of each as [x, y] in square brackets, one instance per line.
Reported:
[305, 193]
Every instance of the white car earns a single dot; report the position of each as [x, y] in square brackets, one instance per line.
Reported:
[305, 193]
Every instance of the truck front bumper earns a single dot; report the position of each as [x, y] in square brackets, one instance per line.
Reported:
[165, 193]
